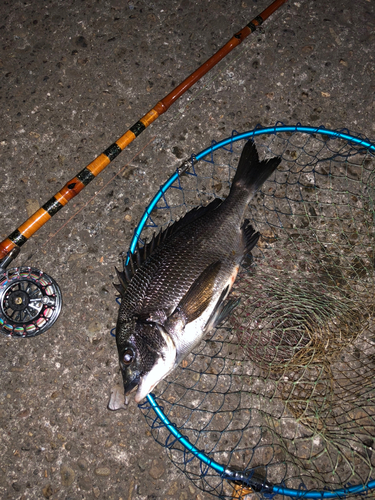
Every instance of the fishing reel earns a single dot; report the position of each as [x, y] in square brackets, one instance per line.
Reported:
[30, 300]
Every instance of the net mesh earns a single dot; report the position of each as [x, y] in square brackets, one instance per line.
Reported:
[285, 388]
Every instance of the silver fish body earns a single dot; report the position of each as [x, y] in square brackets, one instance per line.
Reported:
[174, 289]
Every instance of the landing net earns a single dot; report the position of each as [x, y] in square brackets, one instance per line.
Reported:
[284, 392]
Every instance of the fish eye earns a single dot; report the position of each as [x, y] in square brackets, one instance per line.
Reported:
[128, 356]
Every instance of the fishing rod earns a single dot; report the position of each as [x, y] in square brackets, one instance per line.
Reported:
[30, 300]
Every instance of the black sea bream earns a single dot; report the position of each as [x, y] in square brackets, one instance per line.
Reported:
[174, 289]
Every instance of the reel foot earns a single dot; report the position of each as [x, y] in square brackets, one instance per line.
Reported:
[30, 302]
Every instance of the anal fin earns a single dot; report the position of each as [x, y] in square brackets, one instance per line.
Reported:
[250, 236]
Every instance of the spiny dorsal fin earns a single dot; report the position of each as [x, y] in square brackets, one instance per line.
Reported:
[137, 255]
[119, 288]
[127, 273]
[142, 253]
[123, 281]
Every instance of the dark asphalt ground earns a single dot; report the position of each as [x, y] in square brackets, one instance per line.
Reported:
[74, 77]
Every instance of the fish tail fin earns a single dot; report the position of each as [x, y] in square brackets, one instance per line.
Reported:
[252, 173]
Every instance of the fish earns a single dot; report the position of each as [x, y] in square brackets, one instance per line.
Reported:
[175, 288]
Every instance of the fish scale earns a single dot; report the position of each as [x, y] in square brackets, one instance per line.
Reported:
[175, 289]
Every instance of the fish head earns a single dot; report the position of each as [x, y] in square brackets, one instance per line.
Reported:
[147, 354]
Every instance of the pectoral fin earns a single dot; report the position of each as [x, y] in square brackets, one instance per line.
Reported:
[199, 295]
[222, 310]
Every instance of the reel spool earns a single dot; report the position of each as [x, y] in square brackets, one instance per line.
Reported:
[30, 302]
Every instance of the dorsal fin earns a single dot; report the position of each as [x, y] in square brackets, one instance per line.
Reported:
[142, 253]
[194, 214]
[124, 280]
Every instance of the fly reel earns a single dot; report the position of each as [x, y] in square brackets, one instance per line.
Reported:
[30, 302]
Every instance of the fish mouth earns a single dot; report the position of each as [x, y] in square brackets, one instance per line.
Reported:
[144, 388]
[130, 386]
